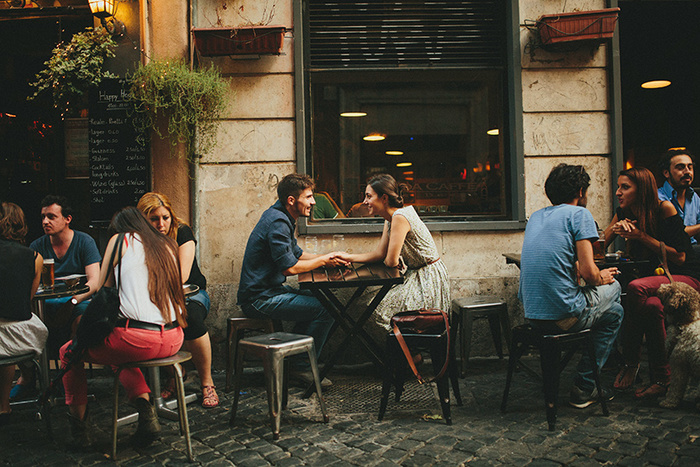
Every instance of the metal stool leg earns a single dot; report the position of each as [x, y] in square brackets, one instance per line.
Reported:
[550, 362]
[317, 379]
[495, 325]
[517, 350]
[467, 327]
[274, 376]
[115, 415]
[237, 385]
[505, 325]
[182, 408]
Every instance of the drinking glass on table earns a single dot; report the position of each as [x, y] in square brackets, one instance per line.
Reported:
[47, 273]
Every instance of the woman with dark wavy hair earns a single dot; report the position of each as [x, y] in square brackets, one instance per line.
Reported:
[152, 315]
[21, 331]
[644, 223]
[406, 244]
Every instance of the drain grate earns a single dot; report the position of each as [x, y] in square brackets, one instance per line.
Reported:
[359, 394]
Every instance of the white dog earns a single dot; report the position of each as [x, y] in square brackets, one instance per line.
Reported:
[682, 310]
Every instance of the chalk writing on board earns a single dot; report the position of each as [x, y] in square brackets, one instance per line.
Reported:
[119, 160]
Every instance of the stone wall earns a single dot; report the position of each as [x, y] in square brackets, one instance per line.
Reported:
[565, 104]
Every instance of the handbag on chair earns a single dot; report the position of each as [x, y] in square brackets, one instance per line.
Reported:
[423, 321]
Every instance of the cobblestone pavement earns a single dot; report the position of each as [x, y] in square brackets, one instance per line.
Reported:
[410, 434]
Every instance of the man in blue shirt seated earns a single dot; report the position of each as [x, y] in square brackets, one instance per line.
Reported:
[73, 252]
[272, 254]
[557, 250]
[678, 169]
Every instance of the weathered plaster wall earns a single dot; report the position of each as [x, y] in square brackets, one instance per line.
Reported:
[565, 103]
[169, 39]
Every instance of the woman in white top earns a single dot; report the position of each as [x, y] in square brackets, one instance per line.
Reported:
[152, 305]
[406, 244]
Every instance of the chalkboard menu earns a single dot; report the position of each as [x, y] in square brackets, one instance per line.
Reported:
[119, 157]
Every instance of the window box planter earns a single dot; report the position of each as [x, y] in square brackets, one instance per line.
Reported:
[596, 25]
[239, 41]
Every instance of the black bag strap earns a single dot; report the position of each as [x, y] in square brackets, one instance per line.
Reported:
[116, 251]
[407, 353]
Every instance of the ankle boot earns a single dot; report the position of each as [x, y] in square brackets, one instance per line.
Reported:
[79, 431]
[149, 428]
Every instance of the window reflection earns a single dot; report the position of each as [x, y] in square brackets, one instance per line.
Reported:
[433, 131]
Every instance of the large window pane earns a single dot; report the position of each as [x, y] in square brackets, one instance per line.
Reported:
[439, 132]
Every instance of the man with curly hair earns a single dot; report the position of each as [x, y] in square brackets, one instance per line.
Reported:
[557, 250]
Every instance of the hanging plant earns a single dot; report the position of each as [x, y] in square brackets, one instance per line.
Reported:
[74, 68]
[191, 100]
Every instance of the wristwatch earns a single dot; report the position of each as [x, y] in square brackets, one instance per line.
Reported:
[74, 301]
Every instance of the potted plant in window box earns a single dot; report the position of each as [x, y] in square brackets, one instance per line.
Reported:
[595, 25]
[259, 40]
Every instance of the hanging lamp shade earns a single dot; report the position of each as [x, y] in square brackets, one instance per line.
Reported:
[103, 8]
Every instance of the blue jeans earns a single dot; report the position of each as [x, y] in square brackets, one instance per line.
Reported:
[603, 316]
[300, 306]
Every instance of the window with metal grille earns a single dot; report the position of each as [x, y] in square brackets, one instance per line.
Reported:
[416, 89]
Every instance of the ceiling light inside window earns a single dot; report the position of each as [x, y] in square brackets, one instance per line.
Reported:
[374, 137]
[404, 164]
[353, 114]
[493, 132]
[394, 153]
[656, 84]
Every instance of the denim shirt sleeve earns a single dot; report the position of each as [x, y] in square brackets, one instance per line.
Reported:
[283, 246]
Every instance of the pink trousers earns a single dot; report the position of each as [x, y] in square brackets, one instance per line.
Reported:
[122, 346]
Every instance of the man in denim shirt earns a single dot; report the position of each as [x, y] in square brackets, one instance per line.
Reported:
[272, 254]
[678, 168]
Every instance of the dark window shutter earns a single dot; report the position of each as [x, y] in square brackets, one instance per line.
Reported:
[409, 33]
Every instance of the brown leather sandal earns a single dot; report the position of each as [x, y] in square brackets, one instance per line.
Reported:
[626, 377]
[209, 397]
[170, 389]
[652, 391]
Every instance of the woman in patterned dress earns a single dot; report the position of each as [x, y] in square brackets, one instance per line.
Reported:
[406, 244]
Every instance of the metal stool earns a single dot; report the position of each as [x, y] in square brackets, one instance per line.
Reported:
[272, 349]
[153, 366]
[43, 411]
[550, 347]
[466, 310]
[397, 369]
[235, 331]
[16, 360]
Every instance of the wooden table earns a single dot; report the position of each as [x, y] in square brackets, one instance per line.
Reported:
[323, 282]
[629, 268]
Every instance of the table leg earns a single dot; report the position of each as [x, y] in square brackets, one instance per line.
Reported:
[43, 358]
[352, 328]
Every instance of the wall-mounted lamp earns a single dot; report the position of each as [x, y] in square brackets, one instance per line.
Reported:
[105, 10]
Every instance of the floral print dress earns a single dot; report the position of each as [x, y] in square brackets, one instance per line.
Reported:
[426, 282]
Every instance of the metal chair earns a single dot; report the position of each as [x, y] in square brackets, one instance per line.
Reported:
[550, 347]
[273, 349]
[466, 310]
[235, 331]
[42, 412]
[153, 365]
